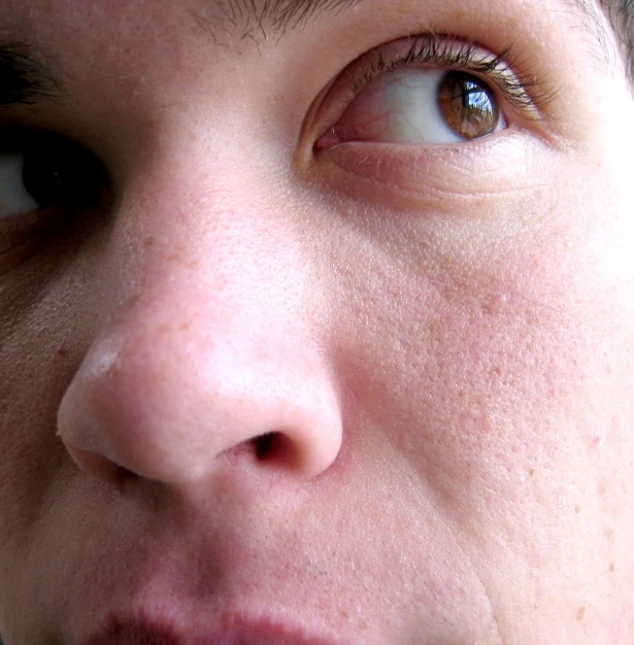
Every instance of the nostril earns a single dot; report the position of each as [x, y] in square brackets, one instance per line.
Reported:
[265, 444]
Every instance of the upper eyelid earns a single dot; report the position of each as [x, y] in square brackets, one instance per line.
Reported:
[519, 87]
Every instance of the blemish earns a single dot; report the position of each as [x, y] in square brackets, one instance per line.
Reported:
[595, 441]
[104, 358]
[61, 354]
[581, 613]
[612, 567]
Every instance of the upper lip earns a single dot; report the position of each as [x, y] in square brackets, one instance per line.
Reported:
[231, 631]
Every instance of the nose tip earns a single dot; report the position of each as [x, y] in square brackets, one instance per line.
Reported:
[169, 405]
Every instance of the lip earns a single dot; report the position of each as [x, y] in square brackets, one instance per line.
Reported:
[230, 631]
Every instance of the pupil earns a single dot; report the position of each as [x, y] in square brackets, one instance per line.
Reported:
[60, 173]
[44, 179]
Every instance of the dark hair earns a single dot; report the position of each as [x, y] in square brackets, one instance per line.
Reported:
[621, 15]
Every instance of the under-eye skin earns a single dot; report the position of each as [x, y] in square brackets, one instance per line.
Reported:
[46, 181]
[428, 90]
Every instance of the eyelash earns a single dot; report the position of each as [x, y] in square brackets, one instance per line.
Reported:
[521, 91]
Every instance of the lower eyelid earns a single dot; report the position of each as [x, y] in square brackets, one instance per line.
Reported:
[25, 236]
[413, 175]
[17, 238]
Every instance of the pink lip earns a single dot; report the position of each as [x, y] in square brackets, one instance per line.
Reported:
[149, 632]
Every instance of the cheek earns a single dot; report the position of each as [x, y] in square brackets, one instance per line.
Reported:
[486, 364]
[42, 333]
[481, 372]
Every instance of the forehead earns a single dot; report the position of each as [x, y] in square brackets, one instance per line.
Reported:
[263, 19]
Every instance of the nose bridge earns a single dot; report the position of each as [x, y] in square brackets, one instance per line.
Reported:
[207, 245]
[183, 216]
[207, 346]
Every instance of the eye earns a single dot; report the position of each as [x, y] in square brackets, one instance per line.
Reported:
[46, 182]
[40, 173]
[419, 106]
[426, 90]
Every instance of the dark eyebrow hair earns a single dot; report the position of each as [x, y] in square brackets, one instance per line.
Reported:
[257, 19]
[23, 78]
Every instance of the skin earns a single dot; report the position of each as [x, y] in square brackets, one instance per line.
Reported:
[440, 336]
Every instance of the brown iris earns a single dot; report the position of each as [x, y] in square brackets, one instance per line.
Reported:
[468, 105]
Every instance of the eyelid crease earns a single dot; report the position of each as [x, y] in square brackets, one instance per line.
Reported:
[521, 90]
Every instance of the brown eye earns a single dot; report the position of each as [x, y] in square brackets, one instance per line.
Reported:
[468, 105]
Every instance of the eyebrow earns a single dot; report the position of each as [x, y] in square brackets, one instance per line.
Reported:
[24, 79]
[257, 18]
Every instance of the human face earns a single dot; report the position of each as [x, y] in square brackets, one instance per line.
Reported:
[284, 359]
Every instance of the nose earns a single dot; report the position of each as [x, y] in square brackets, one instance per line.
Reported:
[208, 349]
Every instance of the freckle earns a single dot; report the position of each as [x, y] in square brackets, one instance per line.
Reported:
[134, 300]
[148, 242]
[184, 326]
[4, 408]
[581, 612]
[531, 472]
[577, 510]
[612, 567]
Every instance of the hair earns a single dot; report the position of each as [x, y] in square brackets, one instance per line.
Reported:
[621, 15]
